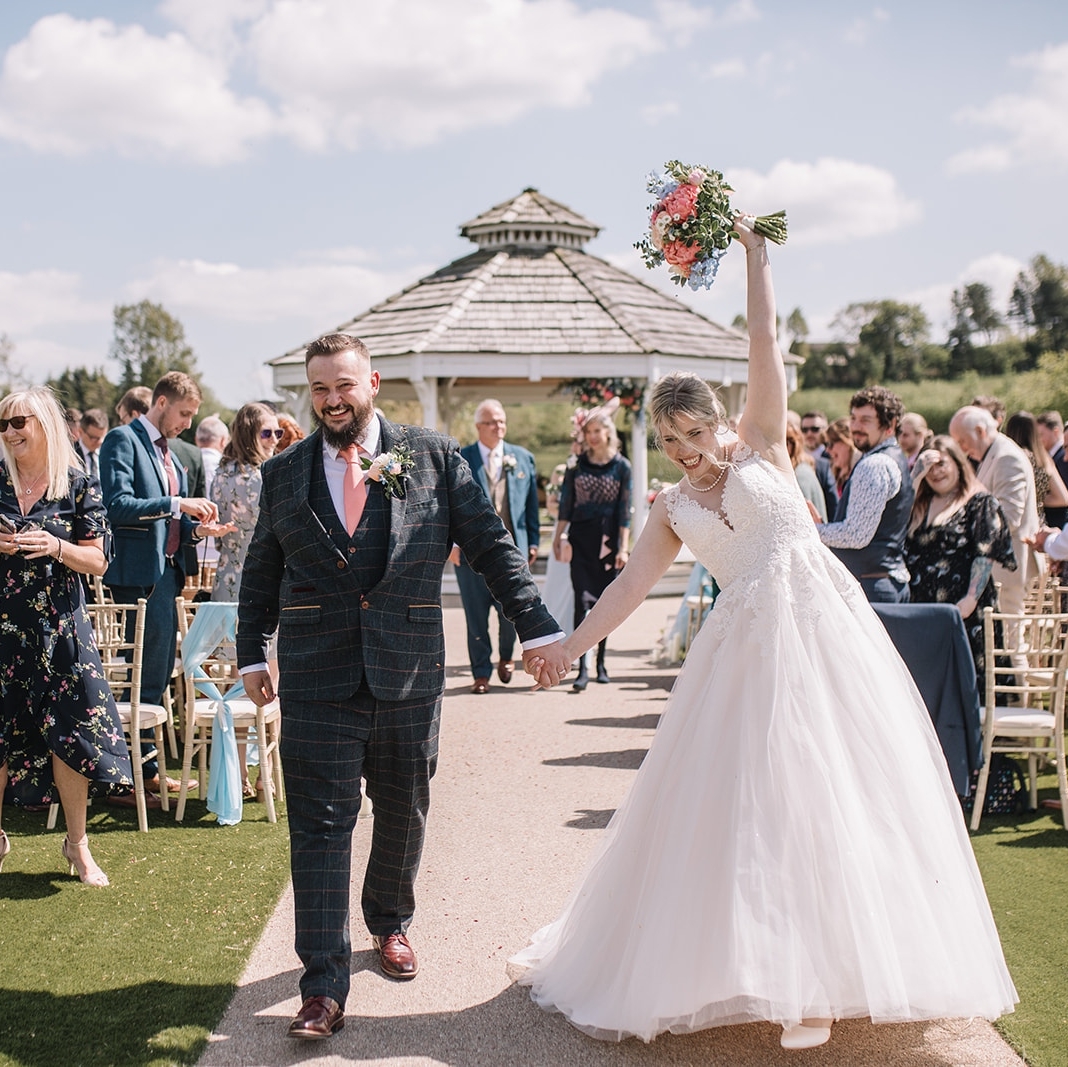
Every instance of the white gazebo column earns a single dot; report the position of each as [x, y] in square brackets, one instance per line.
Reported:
[426, 389]
[639, 463]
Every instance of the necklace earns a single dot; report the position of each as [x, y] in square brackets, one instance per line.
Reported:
[719, 478]
[28, 491]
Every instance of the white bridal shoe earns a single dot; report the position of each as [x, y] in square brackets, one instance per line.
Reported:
[809, 1034]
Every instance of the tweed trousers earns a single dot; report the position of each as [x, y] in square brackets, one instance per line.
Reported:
[325, 749]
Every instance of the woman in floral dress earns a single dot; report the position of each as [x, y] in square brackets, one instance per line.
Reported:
[956, 534]
[236, 490]
[59, 728]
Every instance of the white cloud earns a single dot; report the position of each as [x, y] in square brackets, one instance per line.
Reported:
[407, 72]
[996, 270]
[1033, 125]
[861, 29]
[72, 86]
[44, 298]
[728, 68]
[213, 26]
[827, 202]
[334, 286]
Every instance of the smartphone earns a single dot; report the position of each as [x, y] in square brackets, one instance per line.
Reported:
[7, 525]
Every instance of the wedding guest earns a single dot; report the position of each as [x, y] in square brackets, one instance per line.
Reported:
[593, 528]
[1051, 432]
[59, 728]
[805, 472]
[291, 431]
[135, 401]
[1050, 490]
[94, 426]
[509, 478]
[351, 566]
[813, 427]
[235, 492]
[211, 437]
[1005, 472]
[843, 453]
[788, 851]
[995, 405]
[868, 530]
[957, 532]
[913, 436]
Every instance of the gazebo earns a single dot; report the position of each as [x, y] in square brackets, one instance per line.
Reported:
[526, 311]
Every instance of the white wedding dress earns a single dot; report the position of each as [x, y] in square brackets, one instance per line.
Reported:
[792, 846]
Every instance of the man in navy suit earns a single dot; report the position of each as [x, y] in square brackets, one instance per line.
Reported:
[510, 481]
[152, 519]
[356, 522]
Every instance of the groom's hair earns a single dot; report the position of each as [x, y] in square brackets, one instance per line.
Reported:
[332, 344]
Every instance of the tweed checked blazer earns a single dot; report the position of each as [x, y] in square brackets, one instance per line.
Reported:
[522, 491]
[331, 633]
[138, 501]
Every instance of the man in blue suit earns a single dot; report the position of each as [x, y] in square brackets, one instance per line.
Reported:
[144, 486]
[508, 477]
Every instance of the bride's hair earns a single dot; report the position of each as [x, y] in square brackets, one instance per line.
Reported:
[685, 394]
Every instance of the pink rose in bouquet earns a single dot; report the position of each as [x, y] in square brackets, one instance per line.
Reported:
[681, 255]
[682, 203]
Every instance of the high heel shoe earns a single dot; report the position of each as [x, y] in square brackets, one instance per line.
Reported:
[5, 848]
[93, 875]
[583, 679]
[809, 1033]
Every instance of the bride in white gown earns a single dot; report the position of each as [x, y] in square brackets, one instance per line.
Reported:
[792, 848]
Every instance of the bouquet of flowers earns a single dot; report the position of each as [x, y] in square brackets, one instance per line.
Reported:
[691, 223]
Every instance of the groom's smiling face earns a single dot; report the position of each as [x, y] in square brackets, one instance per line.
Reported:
[343, 388]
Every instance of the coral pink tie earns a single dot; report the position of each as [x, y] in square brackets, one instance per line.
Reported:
[355, 494]
[174, 526]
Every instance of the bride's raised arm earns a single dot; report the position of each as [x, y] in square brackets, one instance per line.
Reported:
[763, 423]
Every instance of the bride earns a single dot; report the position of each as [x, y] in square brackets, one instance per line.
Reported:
[792, 849]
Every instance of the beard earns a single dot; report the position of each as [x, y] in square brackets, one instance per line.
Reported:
[351, 434]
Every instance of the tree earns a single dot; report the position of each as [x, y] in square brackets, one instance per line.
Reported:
[1040, 302]
[890, 339]
[973, 312]
[796, 326]
[148, 342]
[81, 388]
[11, 376]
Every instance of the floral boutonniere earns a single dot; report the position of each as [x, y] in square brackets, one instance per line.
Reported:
[508, 462]
[390, 468]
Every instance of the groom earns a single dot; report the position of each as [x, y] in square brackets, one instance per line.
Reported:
[348, 569]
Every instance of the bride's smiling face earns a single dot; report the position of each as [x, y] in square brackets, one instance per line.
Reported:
[691, 446]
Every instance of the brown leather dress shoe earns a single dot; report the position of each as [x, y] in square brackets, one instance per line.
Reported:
[396, 956]
[504, 670]
[481, 686]
[318, 1017]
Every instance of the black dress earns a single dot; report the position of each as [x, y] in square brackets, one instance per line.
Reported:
[54, 697]
[939, 559]
[595, 500]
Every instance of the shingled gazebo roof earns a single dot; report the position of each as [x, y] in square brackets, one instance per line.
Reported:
[530, 308]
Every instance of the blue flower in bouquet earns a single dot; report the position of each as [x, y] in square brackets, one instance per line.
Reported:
[660, 184]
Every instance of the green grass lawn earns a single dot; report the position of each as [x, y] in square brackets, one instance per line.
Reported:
[138, 973]
[1024, 860]
[141, 972]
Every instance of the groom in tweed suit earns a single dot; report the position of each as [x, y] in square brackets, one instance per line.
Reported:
[361, 656]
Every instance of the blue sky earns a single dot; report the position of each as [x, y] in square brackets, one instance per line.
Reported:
[266, 169]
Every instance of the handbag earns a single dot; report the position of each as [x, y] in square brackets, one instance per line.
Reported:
[1006, 788]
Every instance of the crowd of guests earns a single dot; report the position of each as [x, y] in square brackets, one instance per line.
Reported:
[956, 518]
[135, 506]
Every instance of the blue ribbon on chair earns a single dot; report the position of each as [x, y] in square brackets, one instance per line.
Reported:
[214, 623]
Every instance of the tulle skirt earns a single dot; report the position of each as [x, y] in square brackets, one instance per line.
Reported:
[792, 846]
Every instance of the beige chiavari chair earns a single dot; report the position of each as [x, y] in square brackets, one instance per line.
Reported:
[1023, 709]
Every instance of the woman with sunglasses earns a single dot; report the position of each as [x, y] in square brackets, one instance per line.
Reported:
[254, 435]
[59, 728]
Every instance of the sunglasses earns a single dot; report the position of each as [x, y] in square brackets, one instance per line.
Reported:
[268, 434]
[18, 421]
[810, 429]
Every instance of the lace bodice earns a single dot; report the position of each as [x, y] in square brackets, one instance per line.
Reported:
[767, 547]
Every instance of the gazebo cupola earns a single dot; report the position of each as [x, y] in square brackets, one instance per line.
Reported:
[529, 220]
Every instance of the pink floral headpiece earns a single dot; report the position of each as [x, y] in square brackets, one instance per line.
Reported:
[583, 415]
